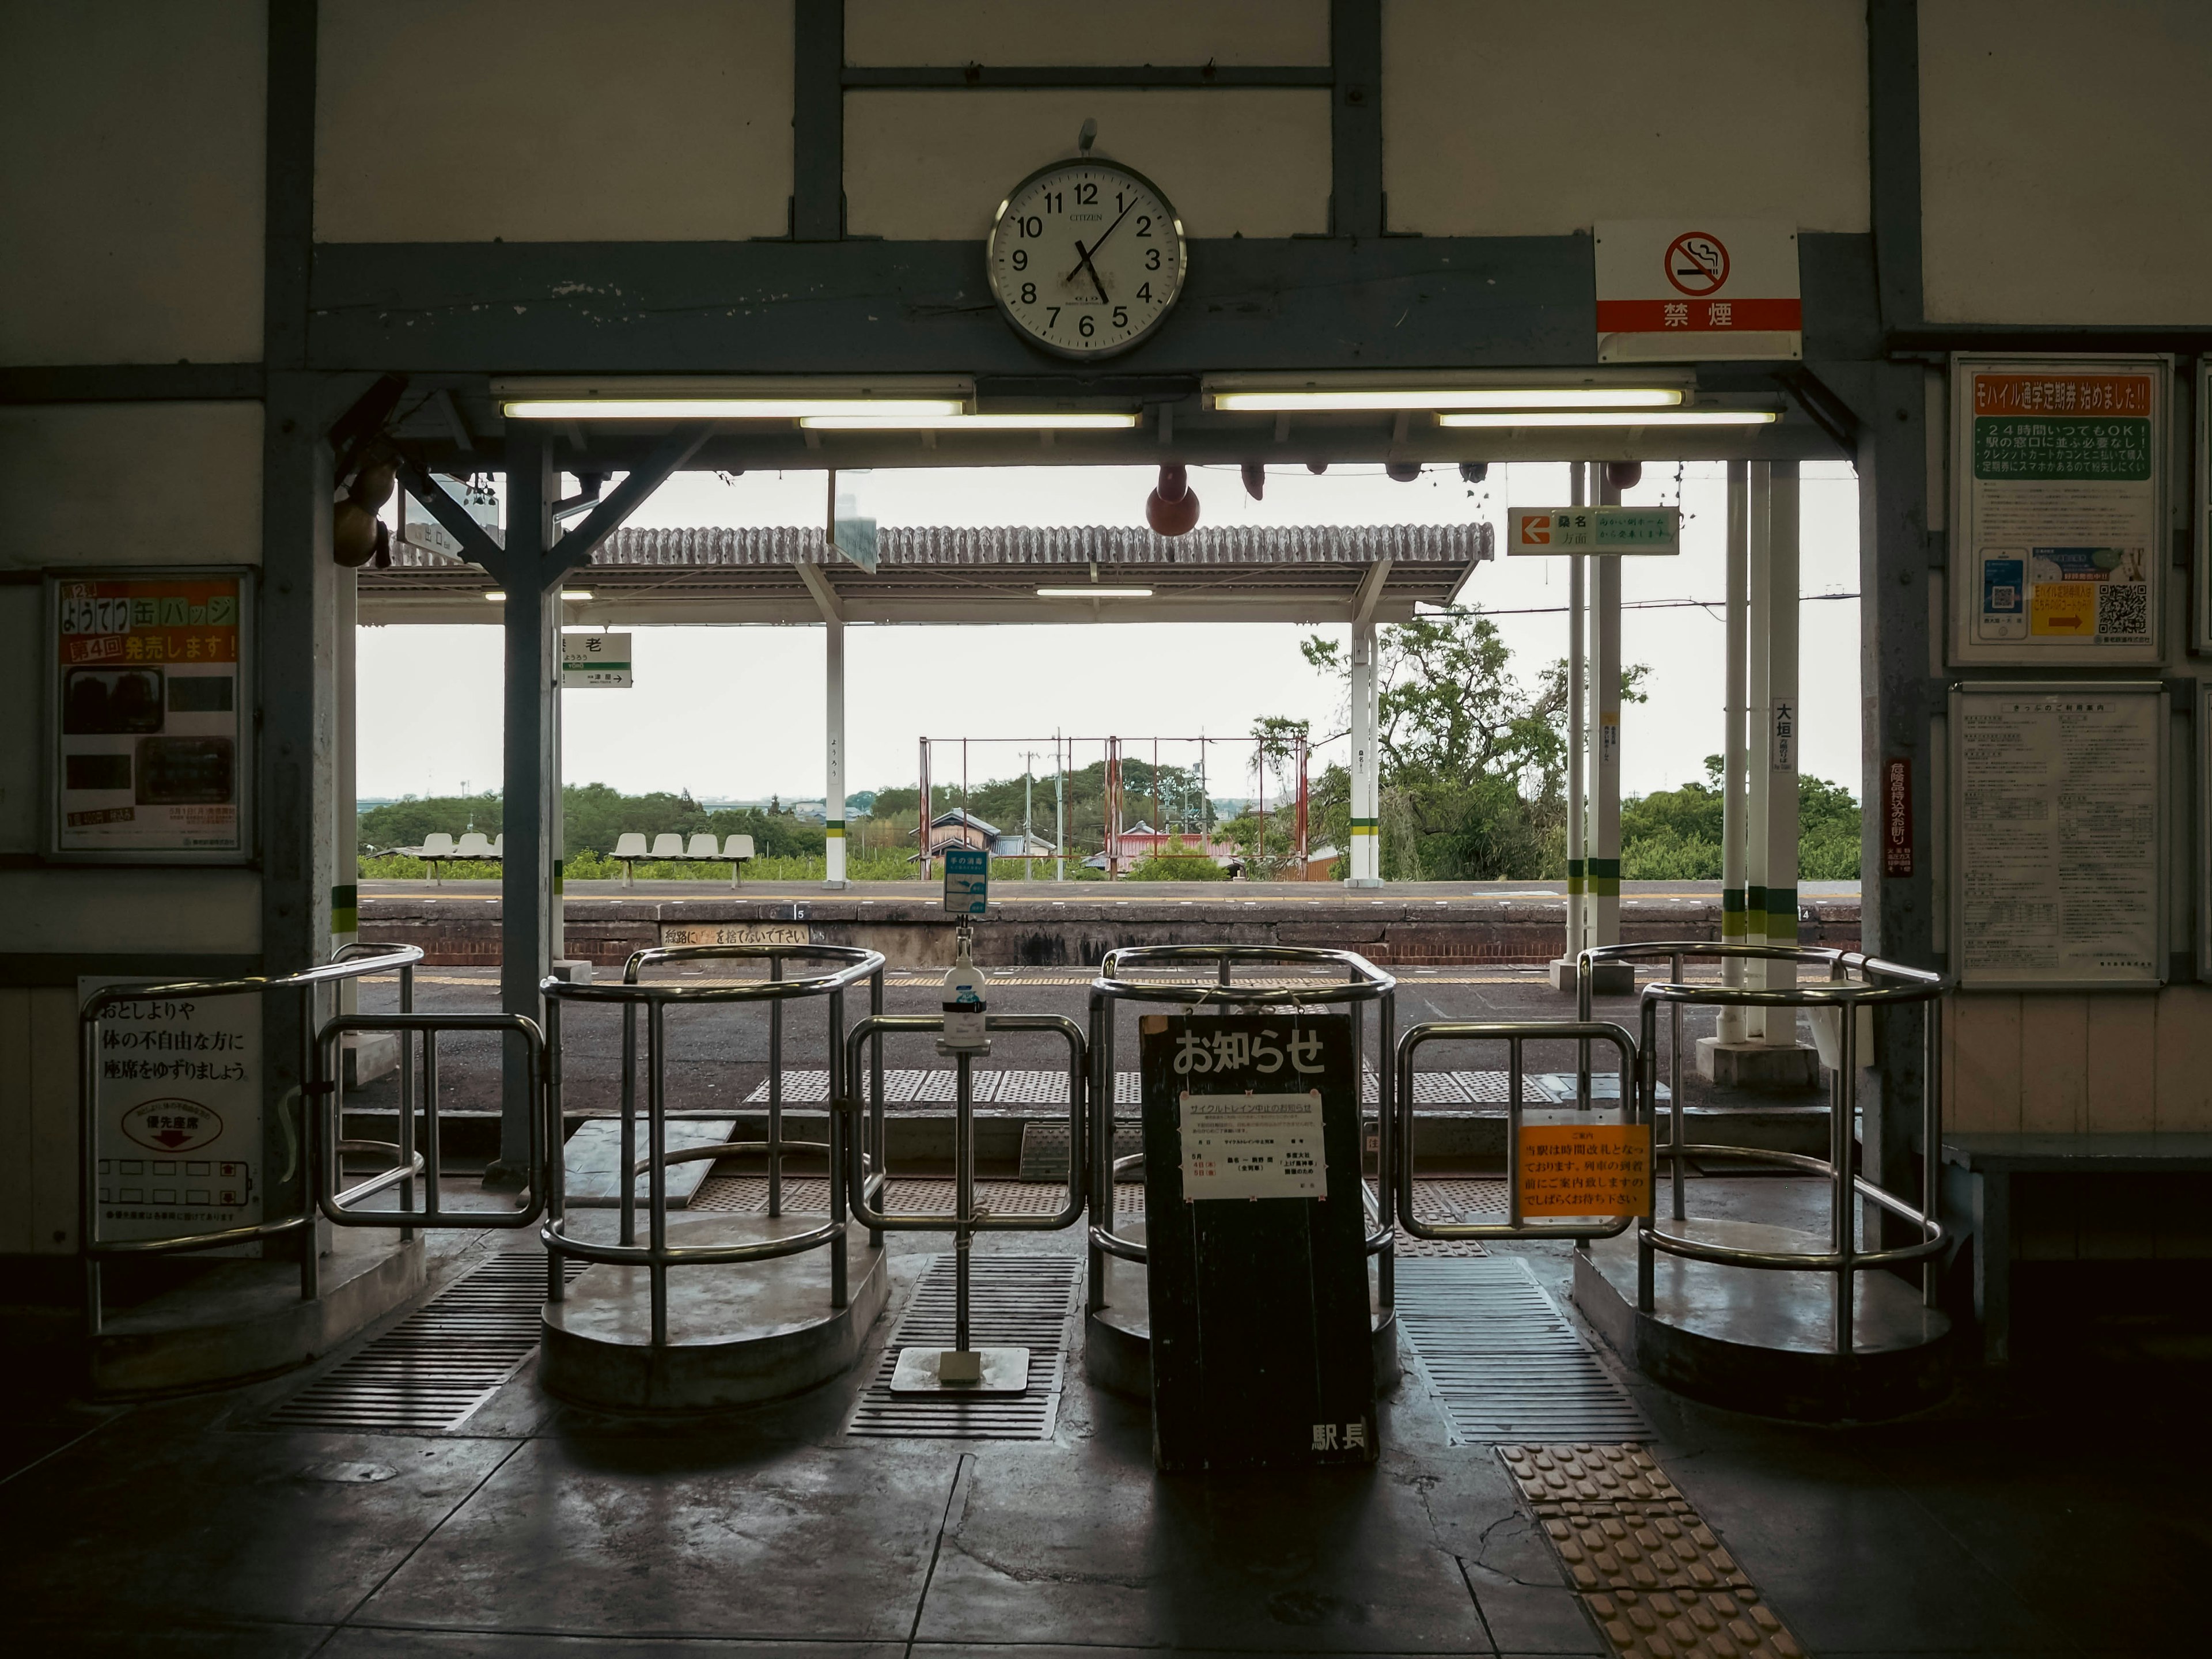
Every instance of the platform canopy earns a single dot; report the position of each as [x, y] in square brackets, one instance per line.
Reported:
[1307, 575]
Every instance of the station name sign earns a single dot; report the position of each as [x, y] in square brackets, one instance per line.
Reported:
[1537, 530]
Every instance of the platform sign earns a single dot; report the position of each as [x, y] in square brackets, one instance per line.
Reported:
[1256, 1241]
[589, 660]
[2057, 845]
[2057, 509]
[966, 880]
[1690, 290]
[178, 1099]
[1578, 1168]
[150, 724]
[1540, 532]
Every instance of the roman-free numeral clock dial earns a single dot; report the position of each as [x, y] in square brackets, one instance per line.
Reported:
[1086, 257]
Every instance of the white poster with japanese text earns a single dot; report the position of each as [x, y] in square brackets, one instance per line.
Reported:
[178, 1097]
[2058, 809]
[2058, 517]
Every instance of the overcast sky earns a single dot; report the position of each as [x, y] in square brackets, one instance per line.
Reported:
[736, 712]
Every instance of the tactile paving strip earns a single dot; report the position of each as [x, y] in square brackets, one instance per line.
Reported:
[1657, 1579]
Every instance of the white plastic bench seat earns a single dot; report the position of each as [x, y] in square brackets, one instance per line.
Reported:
[630, 845]
[738, 847]
[499, 845]
[474, 845]
[436, 845]
[702, 846]
[668, 845]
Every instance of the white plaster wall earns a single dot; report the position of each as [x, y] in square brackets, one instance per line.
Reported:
[1025, 33]
[1510, 119]
[2066, 161]
[131, 201]
[934, 165]
[553, 120]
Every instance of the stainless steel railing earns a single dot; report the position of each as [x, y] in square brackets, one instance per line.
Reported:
[1878, 985]
[864, 1181]
[351, 961]
[1515, 1035]
[850, 966]
[1364, 983]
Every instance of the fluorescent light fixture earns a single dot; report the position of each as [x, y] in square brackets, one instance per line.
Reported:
[1094, 593]
[720, 409]
[1603, 417]
[499, 597]
[1353, 398]
[887, 420]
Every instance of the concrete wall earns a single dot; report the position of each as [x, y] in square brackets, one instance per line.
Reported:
[553, 120]
[1030, 32]
[2076, 1064]
[98, 484]
[1519, 120]
[934, 165]
[132, 194]
[2066, 161]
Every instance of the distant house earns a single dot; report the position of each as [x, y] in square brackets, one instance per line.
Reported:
[960, 828]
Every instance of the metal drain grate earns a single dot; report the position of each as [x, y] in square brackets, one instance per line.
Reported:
[1013, 1302]
[1503, 1360]
[432, 1371]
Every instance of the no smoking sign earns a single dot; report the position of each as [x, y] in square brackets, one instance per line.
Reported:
[1687, 291]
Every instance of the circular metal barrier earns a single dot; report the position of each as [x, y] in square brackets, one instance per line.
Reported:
[1364, 983]
[1855, 982]
[851, 965]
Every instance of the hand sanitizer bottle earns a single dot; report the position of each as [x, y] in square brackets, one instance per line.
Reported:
[964, 1002]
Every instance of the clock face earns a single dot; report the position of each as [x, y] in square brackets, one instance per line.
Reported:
[1085, 258]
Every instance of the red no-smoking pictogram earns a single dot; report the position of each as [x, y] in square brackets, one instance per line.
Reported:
[1697, 263]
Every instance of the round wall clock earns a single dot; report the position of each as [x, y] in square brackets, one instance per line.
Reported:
[1086, 257]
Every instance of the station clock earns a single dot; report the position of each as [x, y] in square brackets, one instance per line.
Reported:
[1085, 258]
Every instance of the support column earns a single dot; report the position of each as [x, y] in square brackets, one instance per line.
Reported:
[1780, 740]
[833, 806]
[532, 769]
[1563, 970]
[1605, 814]
[1366, 838]
[1758, 634]
[1730, 1026]
[345, 810]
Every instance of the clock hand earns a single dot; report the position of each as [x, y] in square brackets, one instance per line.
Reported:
[1083, 262]
[1100, 243]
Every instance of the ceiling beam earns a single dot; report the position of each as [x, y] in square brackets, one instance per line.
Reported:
[825, 596]
[1371, 591]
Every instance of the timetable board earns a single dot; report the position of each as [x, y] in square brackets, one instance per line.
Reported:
[2057, 842]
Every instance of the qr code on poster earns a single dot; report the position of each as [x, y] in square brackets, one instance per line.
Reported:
[2123, 610]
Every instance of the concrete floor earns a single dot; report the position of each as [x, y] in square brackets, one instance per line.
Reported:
[2016, 1519]
[2012, 1523]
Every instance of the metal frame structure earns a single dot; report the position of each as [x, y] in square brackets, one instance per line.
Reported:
[350, 962]
[1515, 1034]
[1880, 984]
[862, 1178]
[1366, 983]
[657, 1255]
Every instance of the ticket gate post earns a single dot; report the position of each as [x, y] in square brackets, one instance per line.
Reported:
[927, 1370]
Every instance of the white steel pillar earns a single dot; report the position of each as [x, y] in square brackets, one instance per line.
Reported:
[1577, 693]
[345, 877]
[1730, 1027]
[833, 805]
[1759, 635]
[1366, 839]
[1605, 806]
[1778, 740]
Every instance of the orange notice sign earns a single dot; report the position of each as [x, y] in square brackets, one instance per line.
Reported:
[1586, 1168]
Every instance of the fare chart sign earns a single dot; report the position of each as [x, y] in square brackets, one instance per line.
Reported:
[1684, 290]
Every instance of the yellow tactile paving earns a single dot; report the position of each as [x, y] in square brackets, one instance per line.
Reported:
[1656, 1580]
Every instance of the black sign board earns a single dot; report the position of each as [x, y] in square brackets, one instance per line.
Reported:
[1256, 1236]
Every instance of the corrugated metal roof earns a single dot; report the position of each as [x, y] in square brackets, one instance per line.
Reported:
[708, 546]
